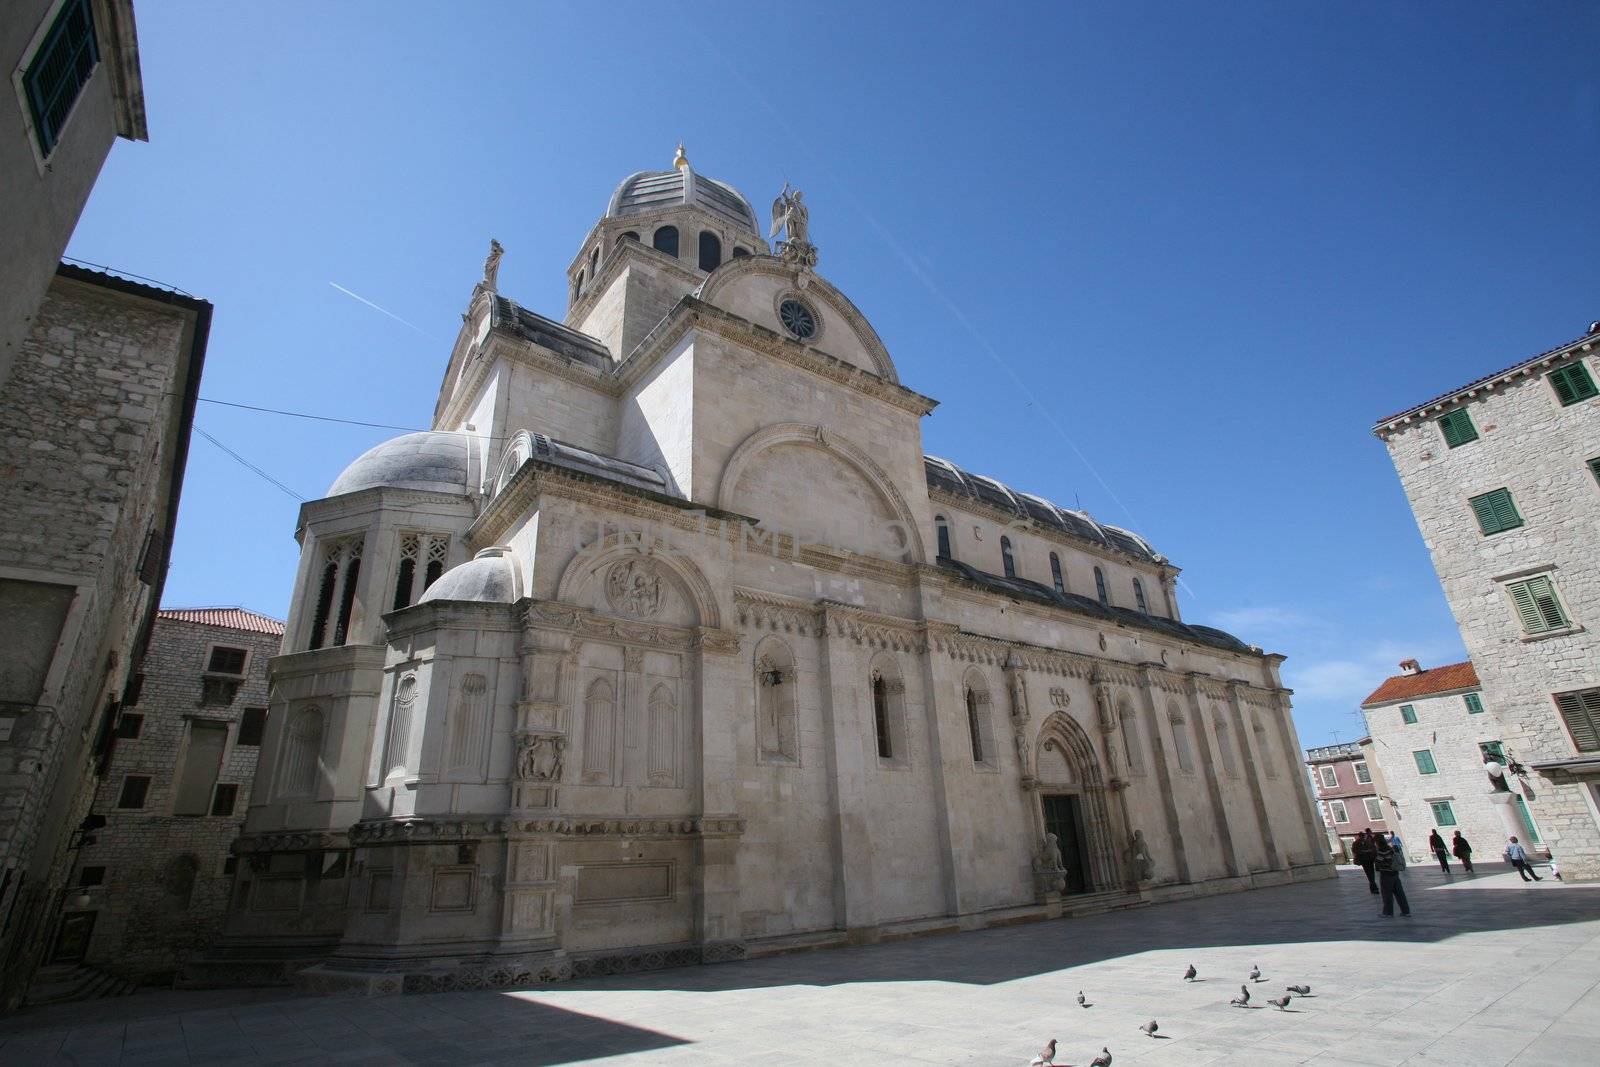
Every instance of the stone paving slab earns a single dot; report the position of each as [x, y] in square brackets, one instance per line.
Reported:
[1488, 971]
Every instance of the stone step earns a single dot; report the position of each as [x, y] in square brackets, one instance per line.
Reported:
[62, 984]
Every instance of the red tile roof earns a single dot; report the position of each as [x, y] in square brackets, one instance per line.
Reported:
[1424, 683]
[233, 618]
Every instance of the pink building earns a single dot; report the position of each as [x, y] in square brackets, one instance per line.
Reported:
[1346, 792]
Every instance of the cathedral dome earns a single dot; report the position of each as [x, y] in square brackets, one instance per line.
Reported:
[432, 461]
[650, 191]
[487, 578]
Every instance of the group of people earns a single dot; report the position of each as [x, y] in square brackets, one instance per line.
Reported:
[1381, 857]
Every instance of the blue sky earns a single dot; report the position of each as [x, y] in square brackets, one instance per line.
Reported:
[1167, 261]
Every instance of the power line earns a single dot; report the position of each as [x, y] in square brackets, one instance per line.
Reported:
[318, 418]
[246, 463]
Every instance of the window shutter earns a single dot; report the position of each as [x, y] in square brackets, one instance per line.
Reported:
[1457, 428]
[1594, 468]
[1544, 595]
[1495, 511]
[1581, 712]
[1572, 383]
[1483, 509]
[1529, 611]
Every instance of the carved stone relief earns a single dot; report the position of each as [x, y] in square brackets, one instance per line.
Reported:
[539, 758]
[633, 587]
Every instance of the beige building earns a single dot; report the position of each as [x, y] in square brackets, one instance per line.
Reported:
[668, 643]
[1503, 476]
[74, 88]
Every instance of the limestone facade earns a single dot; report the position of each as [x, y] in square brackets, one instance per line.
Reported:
[1533, 432]
[94, 425]
[716, 661]
[152, 888]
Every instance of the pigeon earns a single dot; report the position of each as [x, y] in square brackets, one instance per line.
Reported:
[1303, 990]
[1281, 1002]
[1150, 1028]
[1240, 1002]
[1082, 1003]
[1102, 1060]
[1255, 974]
[1046, 1056]
[1244, 994]
[1188, 975]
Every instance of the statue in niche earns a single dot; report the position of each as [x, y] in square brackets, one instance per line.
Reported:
[539, 758]
[634, 587]
[1107, 712]
[1139, 860]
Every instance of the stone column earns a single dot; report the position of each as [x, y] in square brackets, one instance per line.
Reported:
[843, 685]
[1109, 844]
[717, 674]
[1209, 770]
[941, 695]
[1289, 745]
[1158, 745]
[1252, 774]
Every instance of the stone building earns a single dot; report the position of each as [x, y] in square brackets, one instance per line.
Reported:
[152, 888]
[1346, 794]
[668, 644]
[1431, 730]
[77, 89]
[94, 433]
[1503, 476]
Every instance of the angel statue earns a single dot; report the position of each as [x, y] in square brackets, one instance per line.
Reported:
[791, 216]
[491, 266]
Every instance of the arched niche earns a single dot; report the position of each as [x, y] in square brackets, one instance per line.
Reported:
[651, 586]
[1065, 763]
[776, 689]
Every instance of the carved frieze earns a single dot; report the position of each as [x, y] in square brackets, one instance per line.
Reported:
[539, 757]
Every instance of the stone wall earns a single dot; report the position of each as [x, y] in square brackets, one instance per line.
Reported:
[166, 876]
[1532, 445]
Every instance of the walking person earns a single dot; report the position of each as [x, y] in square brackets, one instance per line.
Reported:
[1390, 863]
[1463, 850]
[1517, 856]
[1436, 844]
[1364, 850]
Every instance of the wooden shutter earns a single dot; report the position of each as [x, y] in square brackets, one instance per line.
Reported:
[1532, 621]
[1581, 712]
[1594, 468]
[1544, 597]
[1572, 383]
[1495, 511]
[1457, 428]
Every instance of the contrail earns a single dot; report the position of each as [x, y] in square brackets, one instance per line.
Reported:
[375, 307]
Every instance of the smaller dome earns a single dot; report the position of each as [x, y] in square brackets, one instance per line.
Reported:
[682, 186]
[487, 578]
[432, 461]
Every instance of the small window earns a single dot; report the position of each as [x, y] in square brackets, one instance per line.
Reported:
[974, 727]
[1374, 809]
[1572, 383]
[1474, 703]
[1329, 776]
[594, 262]
[226, 660]
[130, 726]
[798, 318]
[133, 690]
[1138, 597]
[666, 240]
[1443, 814]
[134, 789]
[1537, 605]
[202, 763]
[252, 726]
[1492, 748]
[88, 876]
[1457, 428]
[59, 70]
[1408, 714]
[1007, 560]
[1340, 815]
[223, 799]
[1581, 712]
[710, 251]
[218, 692]
[1496, 512]
[627, 235]
[1594, 468]
[1425, 764]
[880, 716]
[942, 526]
[1363, 772]
[1100, 587]
[740, 253]
[1055, 574]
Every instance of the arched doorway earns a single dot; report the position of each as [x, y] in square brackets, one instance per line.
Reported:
[1073, 805]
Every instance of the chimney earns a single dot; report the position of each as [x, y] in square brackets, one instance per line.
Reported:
[1410, 666]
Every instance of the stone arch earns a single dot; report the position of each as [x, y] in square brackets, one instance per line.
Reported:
[977, 702]
[797, 433]
[1182, 739]
[1061, 736]
[518, 452]
[816, 287]
[586, 568]
[886, 701]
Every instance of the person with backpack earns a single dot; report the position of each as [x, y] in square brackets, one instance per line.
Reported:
[1463, 851]
[1389, 864]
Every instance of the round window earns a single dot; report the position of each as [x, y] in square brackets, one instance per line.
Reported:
[797, 319]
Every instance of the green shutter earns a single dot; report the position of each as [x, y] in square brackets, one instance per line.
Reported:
[1457, 427]
[1538, 605]
[1496, 511]
[1442, 813]
[1581, 712]
[1594, 468]
[1572, 383]
[1425, 764]
[1408, 714]
[1493, 748]
[1474, 704]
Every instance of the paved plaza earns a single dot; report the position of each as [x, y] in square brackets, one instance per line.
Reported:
[1487, 971]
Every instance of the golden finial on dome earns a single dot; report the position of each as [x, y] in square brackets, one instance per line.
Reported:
[680, 161]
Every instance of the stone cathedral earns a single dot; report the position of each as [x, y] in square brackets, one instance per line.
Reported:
[668, 643]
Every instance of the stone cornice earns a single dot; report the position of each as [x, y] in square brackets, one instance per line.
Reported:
[871, 628]
[318, 660]
[445, 614]
[363, 503]
[1439, 405]
[780, 614]
[452, 830]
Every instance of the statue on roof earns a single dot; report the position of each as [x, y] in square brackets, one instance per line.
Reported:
[791, 217]
[491, 266]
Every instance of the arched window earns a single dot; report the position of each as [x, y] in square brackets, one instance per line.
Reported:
[974, 728]
[1225, 747]
[341, 569]
[627, 235]
[417, 550]
[710, 250]
[880, 716]
[1180, 739]
[1100, 587]
[777, 737]
[594, 262]
[1269, 762]
[740, 253]
[662, 758]
[1006, 559]
[577, 286]
[599, 730]
[666, 240]
[1055, 574]
[980, 730]
[302, 754]
[1138, 597]
[942, 525]
[1131, 739]
[397, 750]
